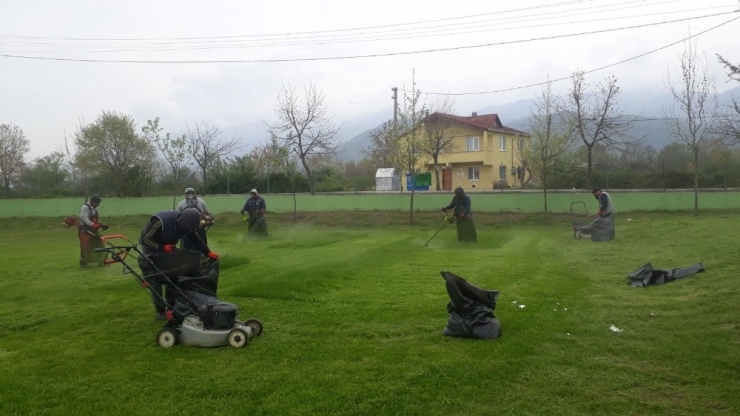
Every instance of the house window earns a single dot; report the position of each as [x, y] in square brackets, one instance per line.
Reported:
[502, 144]
[502, 172]
[520, 145]
[473, 173]
[473, 144]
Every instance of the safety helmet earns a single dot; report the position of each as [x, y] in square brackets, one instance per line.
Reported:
[189, 191]
[188, 219]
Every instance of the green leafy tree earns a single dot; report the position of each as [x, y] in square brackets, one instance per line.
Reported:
[111, 150]
[13, 149]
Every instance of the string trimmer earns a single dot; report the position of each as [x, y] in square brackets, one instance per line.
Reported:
[447, 220]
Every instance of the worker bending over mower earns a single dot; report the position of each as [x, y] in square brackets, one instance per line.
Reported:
[602, 227]
[159, 238]
[463, 216]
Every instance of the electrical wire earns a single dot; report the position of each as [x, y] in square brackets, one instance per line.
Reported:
[376, 55]
[375, 39]
[584, 72]
[544, 6]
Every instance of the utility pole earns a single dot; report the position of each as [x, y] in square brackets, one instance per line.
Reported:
[393, 131]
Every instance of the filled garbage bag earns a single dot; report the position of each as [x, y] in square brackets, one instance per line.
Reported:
[470, 309]
[647, 275]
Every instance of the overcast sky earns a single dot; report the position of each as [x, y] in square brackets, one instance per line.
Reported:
[47, 98]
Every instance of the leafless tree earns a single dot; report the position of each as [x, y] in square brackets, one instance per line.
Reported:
[596, 118]
[730, 117]
[383, 149]
[173, 150]
[409, 122]
[437, 134]
[303, 125]
[13, 148]
[692, 118]
[207, 147]
[552, 137]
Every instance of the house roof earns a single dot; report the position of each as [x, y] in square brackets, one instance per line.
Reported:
[483, 121]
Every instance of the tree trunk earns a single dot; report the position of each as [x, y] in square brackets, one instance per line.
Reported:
[205, 179]
[590, 165]
[436, 171]
[544, 192]
[311, 183]
[6, 185]
[696, 183]
[413, 190]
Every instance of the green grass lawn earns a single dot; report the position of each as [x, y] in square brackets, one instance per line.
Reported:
[353, 307]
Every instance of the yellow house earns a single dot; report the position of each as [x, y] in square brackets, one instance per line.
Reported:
[482, 153]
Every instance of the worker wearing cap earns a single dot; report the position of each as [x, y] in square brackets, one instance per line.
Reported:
[255, 208]
[463, 216]
[89, 228]
[159, 237]
[194, 201]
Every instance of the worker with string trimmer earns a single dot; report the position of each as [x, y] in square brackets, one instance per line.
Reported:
[89, 227]
[463, 216]
[255, 208]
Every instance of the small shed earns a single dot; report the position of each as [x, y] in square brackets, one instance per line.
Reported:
[387, 179]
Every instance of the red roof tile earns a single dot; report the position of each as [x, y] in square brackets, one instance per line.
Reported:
[484, 121]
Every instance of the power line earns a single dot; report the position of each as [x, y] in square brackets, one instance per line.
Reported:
[377, 55]
[544, 6]
[409, 35]
[585, 72]
[333, 37]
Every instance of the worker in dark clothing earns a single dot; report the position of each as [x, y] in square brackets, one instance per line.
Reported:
[194, 201]
[89, 228]
[158, 239]
[255, 208]
[602, 227]
[463, 216]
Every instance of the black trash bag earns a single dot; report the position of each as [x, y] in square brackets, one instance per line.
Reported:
[647, 275]
[471, 310]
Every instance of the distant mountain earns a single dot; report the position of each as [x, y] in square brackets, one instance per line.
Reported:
[352, 149]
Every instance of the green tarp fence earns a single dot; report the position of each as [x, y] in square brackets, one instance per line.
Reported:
[510, 201]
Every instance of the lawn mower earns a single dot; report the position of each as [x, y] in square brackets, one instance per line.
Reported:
[580, 218]
[195, 316]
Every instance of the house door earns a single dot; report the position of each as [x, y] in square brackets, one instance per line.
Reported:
[447, 179]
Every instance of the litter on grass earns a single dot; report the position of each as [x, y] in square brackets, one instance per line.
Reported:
[522, 306]
[615, 329]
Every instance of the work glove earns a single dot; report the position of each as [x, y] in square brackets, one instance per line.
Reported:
[462, 216]
[169, 248]
[212, 255]
[241, 212]
[95, 226]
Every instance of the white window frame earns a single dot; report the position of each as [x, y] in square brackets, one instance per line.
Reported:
[471, 173]
[502, 143]
[476, 141]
